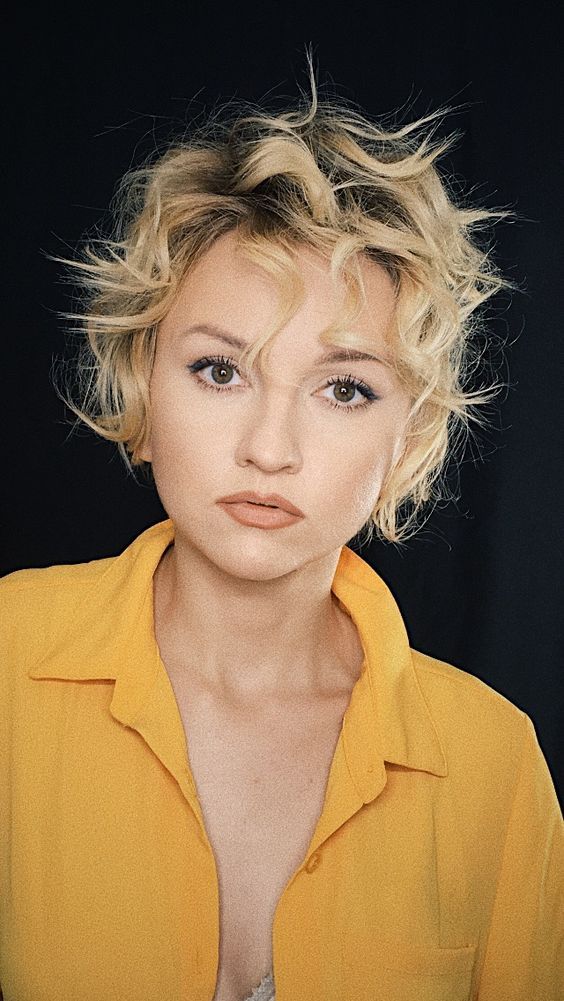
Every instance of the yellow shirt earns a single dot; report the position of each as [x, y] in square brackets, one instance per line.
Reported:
[435, 872]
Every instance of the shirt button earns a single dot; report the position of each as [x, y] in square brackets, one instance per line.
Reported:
[370, 768]
[313, 862]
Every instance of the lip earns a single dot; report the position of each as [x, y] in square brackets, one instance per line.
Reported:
[272, 499]
[259, 516]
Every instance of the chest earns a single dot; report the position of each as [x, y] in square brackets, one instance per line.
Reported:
[261, 776]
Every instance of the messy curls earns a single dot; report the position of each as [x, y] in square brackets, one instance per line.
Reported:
[326, 177]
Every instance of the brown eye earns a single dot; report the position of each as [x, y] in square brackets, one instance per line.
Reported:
[221, 372]
[221, 369]
[347, 386]
[345, 392]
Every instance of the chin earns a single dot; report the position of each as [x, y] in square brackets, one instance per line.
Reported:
[261, 560]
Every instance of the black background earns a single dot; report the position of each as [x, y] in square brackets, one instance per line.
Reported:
[92, 90]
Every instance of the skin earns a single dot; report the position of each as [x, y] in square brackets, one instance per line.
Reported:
[248, 612]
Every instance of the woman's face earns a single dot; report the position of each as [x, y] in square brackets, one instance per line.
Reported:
[215, 432]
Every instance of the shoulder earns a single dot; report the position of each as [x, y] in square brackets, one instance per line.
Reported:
[444, 681]
[470, 716]
[46, 584]
[36, 603]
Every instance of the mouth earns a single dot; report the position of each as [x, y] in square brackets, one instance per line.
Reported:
[259, 514]
[273, 501]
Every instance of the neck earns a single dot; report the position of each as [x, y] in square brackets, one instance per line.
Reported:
[251, 639]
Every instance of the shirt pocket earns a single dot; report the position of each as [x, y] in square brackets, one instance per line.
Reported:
[400, 971]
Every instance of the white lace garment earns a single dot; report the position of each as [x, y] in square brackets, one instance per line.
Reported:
[264, 991]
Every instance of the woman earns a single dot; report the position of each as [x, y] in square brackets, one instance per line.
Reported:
[225, 773]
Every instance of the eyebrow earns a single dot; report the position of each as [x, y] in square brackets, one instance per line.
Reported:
[331, 355]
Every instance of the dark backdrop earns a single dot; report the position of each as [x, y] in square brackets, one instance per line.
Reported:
[90, 94]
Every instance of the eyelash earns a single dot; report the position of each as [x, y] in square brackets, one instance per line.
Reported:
[366, 391]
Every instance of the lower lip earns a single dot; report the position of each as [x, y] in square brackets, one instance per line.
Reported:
[257, 516]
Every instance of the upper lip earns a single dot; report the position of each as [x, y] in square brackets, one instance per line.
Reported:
[276, 499]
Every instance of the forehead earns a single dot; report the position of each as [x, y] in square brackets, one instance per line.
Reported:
[225, 288]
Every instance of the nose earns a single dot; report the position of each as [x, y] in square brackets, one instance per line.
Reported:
[270, 435]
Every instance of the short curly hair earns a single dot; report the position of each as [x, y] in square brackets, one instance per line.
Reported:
[322, 176]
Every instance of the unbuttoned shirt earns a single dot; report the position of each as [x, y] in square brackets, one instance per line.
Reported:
[435, 871]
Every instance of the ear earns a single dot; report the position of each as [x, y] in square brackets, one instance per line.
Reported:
[145, 452]
[400, 449]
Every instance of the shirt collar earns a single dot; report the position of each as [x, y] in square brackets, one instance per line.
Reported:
[110, 635]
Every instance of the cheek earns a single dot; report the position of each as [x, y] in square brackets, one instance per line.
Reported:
[178, 447]
[368, 484]
[187, 411]
[173, 426]
[172, 439]
[188, 443]
[353, 477]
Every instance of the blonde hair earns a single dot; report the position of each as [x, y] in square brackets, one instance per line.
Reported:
[326, 177]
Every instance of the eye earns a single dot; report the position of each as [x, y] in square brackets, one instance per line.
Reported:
[347, 384]
[218, 362]
[353, 385]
